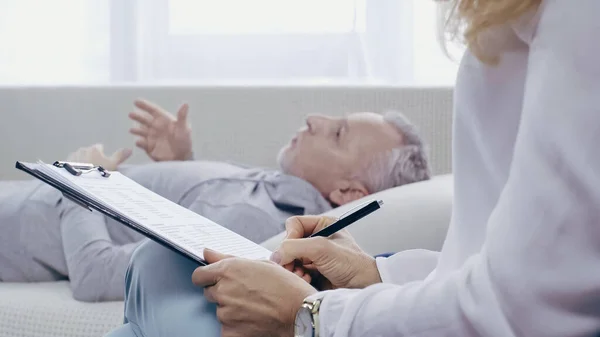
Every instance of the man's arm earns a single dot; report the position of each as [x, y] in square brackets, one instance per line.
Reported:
[95, 264]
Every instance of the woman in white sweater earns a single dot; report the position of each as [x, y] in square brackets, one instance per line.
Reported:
[522, 254]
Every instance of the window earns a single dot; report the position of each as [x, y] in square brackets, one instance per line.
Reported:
[261, 17]
[431, 65]
[390, 42]
[58, 41]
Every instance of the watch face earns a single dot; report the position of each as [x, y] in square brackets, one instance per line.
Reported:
[303, 326]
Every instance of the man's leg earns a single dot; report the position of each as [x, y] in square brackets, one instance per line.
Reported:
[160, 298]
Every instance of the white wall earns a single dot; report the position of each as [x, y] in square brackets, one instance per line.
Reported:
[244, 124]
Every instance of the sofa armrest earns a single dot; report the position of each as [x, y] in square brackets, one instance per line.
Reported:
[413, 216]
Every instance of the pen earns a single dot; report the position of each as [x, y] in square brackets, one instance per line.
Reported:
[349, 219]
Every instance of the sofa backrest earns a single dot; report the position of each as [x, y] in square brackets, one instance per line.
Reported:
[242, 124]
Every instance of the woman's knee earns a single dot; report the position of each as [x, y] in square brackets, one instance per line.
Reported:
[144, 254]
[154, 266]
[152, 255]
[161, 299]
[126, 330]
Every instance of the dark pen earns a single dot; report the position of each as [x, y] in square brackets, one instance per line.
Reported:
[347, 220]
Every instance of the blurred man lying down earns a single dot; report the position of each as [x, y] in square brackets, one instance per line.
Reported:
[329, 162]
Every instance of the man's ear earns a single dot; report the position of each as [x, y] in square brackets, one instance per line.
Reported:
[348, 191]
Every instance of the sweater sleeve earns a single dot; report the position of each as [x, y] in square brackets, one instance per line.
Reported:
[96, 266]
[537, 273]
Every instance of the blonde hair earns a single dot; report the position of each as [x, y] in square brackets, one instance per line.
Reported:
[469, 19]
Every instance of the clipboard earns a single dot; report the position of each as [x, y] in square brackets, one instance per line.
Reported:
[91, 204]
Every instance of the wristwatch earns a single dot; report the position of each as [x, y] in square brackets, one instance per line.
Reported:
[307, 318]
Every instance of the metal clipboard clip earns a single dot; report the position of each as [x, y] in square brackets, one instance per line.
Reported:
[78, 169]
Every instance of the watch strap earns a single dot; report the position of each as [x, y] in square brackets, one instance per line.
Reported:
[315, 301]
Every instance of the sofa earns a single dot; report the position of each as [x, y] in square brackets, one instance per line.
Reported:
[413, 216]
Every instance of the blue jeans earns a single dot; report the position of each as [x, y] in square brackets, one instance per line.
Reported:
[160, 298]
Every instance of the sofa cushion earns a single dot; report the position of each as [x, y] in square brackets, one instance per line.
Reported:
[413, 216]
[49, 310]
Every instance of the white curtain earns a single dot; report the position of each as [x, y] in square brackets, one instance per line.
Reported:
[389, 42]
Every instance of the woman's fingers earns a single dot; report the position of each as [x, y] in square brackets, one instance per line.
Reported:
[302, 226]
[307, 251]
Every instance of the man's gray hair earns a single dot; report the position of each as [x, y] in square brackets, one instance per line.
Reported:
[405, 164]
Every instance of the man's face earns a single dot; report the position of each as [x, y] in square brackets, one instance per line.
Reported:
[328, 150]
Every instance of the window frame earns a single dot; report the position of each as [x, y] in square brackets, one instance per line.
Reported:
[142, 28]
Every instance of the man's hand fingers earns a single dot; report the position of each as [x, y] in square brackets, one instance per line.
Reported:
[141, 118]
[151, 108]
[87, 153]
[99, 148]
[142, 144]
[211, 256]
[142, 132]
[182, 114]
[120, 156]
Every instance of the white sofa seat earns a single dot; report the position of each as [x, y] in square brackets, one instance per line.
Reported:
[413, 216]
[49, 310]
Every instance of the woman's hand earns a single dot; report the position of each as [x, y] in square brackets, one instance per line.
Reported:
[338, 260]
[255, 298]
